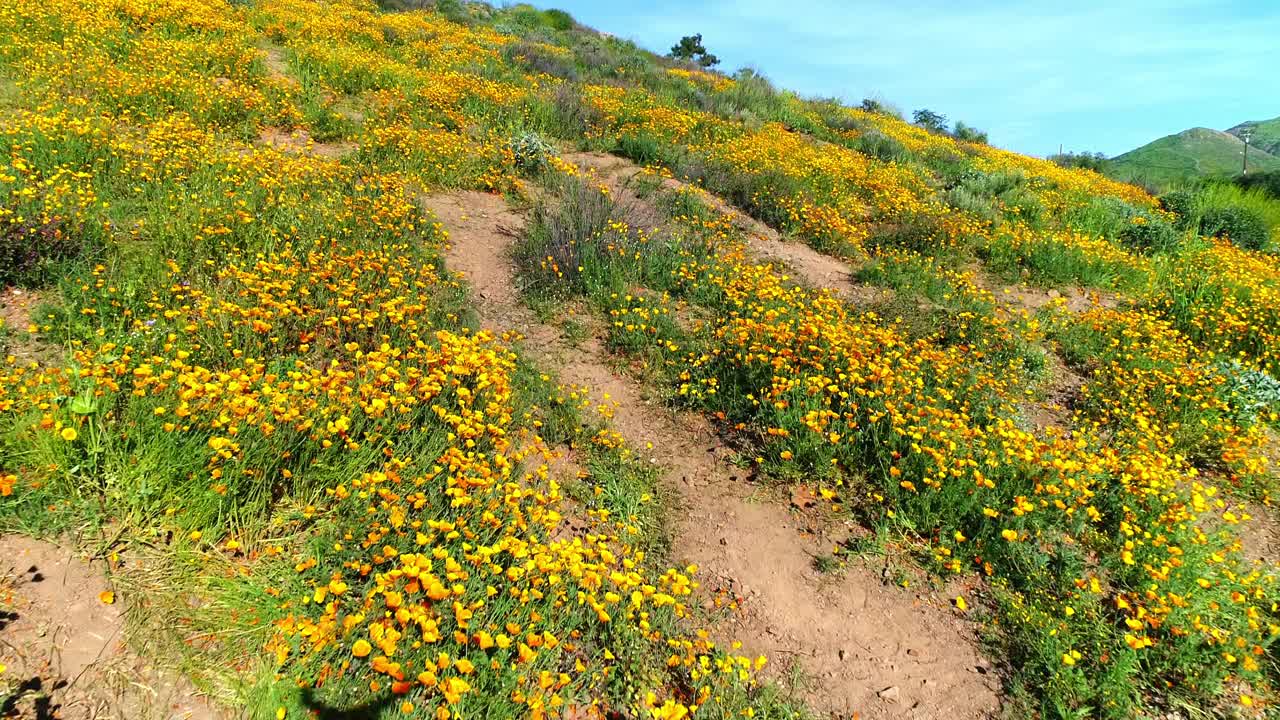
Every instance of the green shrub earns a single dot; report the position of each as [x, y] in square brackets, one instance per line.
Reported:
[1251, 394]
[1240, 225]
[1268, 182]
[540, 60]
[1221, 194]
[1136, 228]
[30, 251]
[968, 133]
[572, 116]
[1149, 233]
[972, 203]
[1185, 205]
[558, 20]
[878, 145]
[1096, 162]
[642, 148]
[531, 152]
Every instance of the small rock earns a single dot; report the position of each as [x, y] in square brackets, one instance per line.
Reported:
[724, 541]
[890, 694]
[842, 653]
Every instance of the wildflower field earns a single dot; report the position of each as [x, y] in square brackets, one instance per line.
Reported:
[254, 382]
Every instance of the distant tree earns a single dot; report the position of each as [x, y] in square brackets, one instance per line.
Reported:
[558, 19]
[873, 106]
[1096, 162]
[691, 48]
[969, 134]
[930, 120]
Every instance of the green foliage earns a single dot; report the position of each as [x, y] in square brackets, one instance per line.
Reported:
[969, 134]
[873, 105]
[1255, 202]
[930, 120]
[880, 146]
[1185, 205]
[1096, 162]
[1136, 228]
[1251, 394]
[558, 20]
[1148, 233]
[32, 253]
[1268, 182]
[691, 48]
[1005, 192]
[531, 152]
[530, 18]
[1240, 225]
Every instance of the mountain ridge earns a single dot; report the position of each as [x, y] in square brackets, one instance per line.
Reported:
[1196, 152]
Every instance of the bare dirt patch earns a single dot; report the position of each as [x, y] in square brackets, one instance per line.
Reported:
[1260, 535]
[273, 58]
[64, 647]
[299, 141]
[1053, 412]
[1071, 299]
[865, 649]
[17, 308]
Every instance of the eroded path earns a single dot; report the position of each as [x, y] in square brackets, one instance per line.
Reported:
[864, 648]
[64, 647]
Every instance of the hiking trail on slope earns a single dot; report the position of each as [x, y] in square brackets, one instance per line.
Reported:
[866, 649]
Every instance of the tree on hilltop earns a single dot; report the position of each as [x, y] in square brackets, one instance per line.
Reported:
[930, 120]
[691, 48]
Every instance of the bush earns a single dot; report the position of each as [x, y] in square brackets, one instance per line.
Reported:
[1251, 394]
[1149, 233]
[30, 251]
[573, 115]
[1136, 228]
[531, 153]
[1255, 202]
[969, 134]
[878, 145]
[1185, 205]
[539, 59]
[558, 20]
[1240, 225]
[1096, 162]
[1268, 182]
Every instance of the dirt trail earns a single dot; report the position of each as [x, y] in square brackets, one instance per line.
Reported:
[865, 649]
[17, 313]
[814, 268]
[64, 648]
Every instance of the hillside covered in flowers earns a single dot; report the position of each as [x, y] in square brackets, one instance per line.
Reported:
[333, 476]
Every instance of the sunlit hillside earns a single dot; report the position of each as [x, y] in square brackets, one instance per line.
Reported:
[469, 363]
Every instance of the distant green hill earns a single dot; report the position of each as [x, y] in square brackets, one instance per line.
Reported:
[1266, 134]
[1198, 152]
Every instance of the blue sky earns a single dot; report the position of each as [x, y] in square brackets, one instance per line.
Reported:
[1090, 75]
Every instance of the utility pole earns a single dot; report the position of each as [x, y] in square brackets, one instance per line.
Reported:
[1246, 135]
